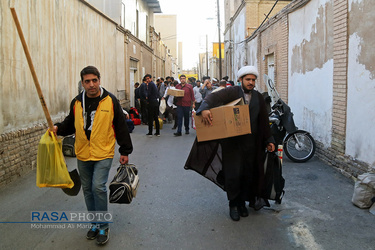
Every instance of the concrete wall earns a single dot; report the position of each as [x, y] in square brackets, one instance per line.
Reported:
[230, 8]
[167, 26]
[311, 68]
[238, 38]
[133, 54]
[111, 8]
[131, 8]
[361, 81]
[59, 48]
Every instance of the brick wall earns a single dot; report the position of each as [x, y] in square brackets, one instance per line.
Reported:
[274, 40]
[345, 164]
[18, 152]
[340, 58]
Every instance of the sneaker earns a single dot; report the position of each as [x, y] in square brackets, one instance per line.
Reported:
[92, 233]
[157, 134]
[102, 237]
[187, 132]
[149, 134]
[177, 134]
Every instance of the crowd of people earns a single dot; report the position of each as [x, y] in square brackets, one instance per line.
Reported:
[240, 169]
[149, 96]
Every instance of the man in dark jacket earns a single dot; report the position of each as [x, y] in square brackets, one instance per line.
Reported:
[242, 156]
[149, 93]
[137, 97]
[143, 102]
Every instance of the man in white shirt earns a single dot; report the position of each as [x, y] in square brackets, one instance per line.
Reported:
[197, 95]
[171, 108]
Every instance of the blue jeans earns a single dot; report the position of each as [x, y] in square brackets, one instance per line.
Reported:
[182, 113]
[94, 176]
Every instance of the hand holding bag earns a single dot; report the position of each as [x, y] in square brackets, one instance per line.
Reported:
[51, 169]
[273, 179]
[124, 185]
[163, 106]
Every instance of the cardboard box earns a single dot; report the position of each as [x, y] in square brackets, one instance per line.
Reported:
[229, 120]
[176, 92]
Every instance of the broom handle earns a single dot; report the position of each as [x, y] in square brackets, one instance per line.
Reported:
[31, 66]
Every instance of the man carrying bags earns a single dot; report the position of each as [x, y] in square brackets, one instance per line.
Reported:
[98, 121]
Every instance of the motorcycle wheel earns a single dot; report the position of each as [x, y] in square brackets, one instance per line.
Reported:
[299, 146]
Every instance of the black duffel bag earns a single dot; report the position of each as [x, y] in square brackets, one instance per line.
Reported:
[124, 185]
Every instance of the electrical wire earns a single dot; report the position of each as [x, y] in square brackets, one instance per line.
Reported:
[259, 25]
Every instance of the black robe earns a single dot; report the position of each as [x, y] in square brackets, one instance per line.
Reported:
[235, 164]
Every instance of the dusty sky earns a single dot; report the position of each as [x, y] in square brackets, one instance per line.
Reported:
[195, 19]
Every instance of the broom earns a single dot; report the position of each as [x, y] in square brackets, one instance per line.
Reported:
[55, 175]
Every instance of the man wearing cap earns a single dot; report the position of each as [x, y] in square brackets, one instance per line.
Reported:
[242, 156]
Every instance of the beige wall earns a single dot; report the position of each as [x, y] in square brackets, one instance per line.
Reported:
[59, 51]
[230, 8]
[167, 26]
[257, 11]
[147, 59]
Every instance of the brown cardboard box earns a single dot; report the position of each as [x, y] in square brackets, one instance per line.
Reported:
[176, 92]
[229, 120]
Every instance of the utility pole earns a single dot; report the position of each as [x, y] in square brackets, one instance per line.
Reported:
[218, 25]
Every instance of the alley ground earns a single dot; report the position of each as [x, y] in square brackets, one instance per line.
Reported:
[179, 209]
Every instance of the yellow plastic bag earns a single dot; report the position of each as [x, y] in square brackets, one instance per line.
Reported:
[160, 123]
[51, 168]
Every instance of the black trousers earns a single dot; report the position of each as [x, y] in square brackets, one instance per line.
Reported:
[153, 112]
[144, 111]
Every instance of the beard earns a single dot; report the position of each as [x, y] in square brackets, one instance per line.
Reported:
[247, 91]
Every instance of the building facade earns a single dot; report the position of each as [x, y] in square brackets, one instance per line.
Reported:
[166, 25]
[242, 18]
[63, 37]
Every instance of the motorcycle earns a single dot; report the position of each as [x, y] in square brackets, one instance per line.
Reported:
[298, 145]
